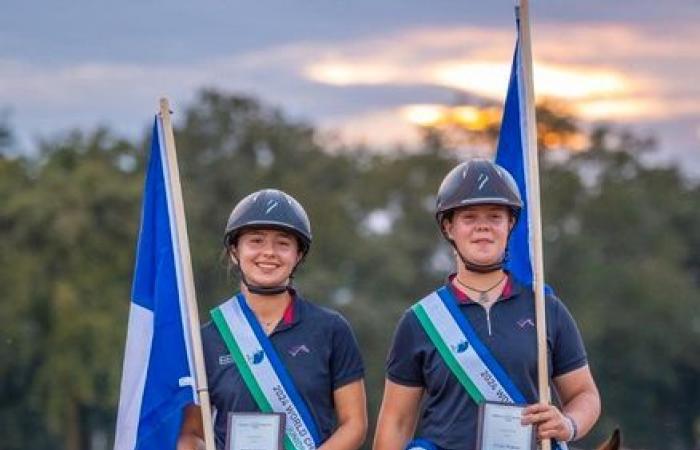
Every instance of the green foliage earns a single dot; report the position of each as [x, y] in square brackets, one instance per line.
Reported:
[623, 258]
[68, 224]
[622, 248]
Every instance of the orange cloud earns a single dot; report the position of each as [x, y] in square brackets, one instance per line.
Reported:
[598, 84]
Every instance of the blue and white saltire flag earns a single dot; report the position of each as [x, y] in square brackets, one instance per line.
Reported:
[512, 154]
[157, 378]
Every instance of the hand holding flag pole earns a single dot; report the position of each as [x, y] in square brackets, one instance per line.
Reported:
[534, 211]
[517, 152]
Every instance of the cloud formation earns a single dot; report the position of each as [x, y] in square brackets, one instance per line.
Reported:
[361, 87]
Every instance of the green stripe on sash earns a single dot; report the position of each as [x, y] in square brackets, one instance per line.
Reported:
[238, 357]
[446, 354]
[243, 369]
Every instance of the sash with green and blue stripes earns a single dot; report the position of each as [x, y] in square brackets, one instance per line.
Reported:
[465, 355]
[263, 372]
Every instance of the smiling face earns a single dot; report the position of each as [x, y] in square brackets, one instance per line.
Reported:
[480, 232]
[266, 256]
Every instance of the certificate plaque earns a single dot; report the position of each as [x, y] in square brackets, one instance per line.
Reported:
[500, 428]
[255, 431]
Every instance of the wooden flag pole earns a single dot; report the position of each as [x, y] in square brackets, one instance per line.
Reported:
[534, 208]
[185, 262]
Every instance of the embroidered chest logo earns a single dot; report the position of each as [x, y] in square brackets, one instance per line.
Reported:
[298, 349]
[526, 322]
[257, 357]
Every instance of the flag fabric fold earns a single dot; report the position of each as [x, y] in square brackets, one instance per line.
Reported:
[512, 154]
[157, 377]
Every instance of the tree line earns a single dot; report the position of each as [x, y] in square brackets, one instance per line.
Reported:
[621, 241]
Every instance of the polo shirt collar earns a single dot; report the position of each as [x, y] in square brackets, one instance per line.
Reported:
[510, 290]
[292, 314]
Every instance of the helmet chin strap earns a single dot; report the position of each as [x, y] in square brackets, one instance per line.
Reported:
[480, 268]
[266, 290]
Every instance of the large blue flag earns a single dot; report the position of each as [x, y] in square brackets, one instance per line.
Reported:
[158, 373]
[512, 155]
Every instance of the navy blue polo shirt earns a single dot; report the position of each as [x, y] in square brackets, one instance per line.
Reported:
[317, 347]
[448, 416]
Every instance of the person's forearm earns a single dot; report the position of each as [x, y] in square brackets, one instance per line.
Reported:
[389, 441]
[392, 436]
[348, 436]
[190, 441]
[584, 410]
[398, 416]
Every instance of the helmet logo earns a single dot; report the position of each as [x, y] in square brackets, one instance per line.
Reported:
[272, 204]
[482, 180]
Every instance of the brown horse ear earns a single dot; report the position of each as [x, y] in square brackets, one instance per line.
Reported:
[614, 442]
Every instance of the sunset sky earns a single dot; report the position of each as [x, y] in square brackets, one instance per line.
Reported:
[366, 71]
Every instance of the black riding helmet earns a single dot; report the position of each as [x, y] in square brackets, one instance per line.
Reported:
[269, 208]
[477, 182]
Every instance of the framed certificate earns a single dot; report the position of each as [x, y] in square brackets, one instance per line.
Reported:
[255, 431]
[499, 428]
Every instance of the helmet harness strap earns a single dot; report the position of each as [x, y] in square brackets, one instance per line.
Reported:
[264, 290]
[267, 290]
[481, 268]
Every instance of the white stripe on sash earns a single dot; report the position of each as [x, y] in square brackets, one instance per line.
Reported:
[265, 376]
[447, 335]
[455, 340]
